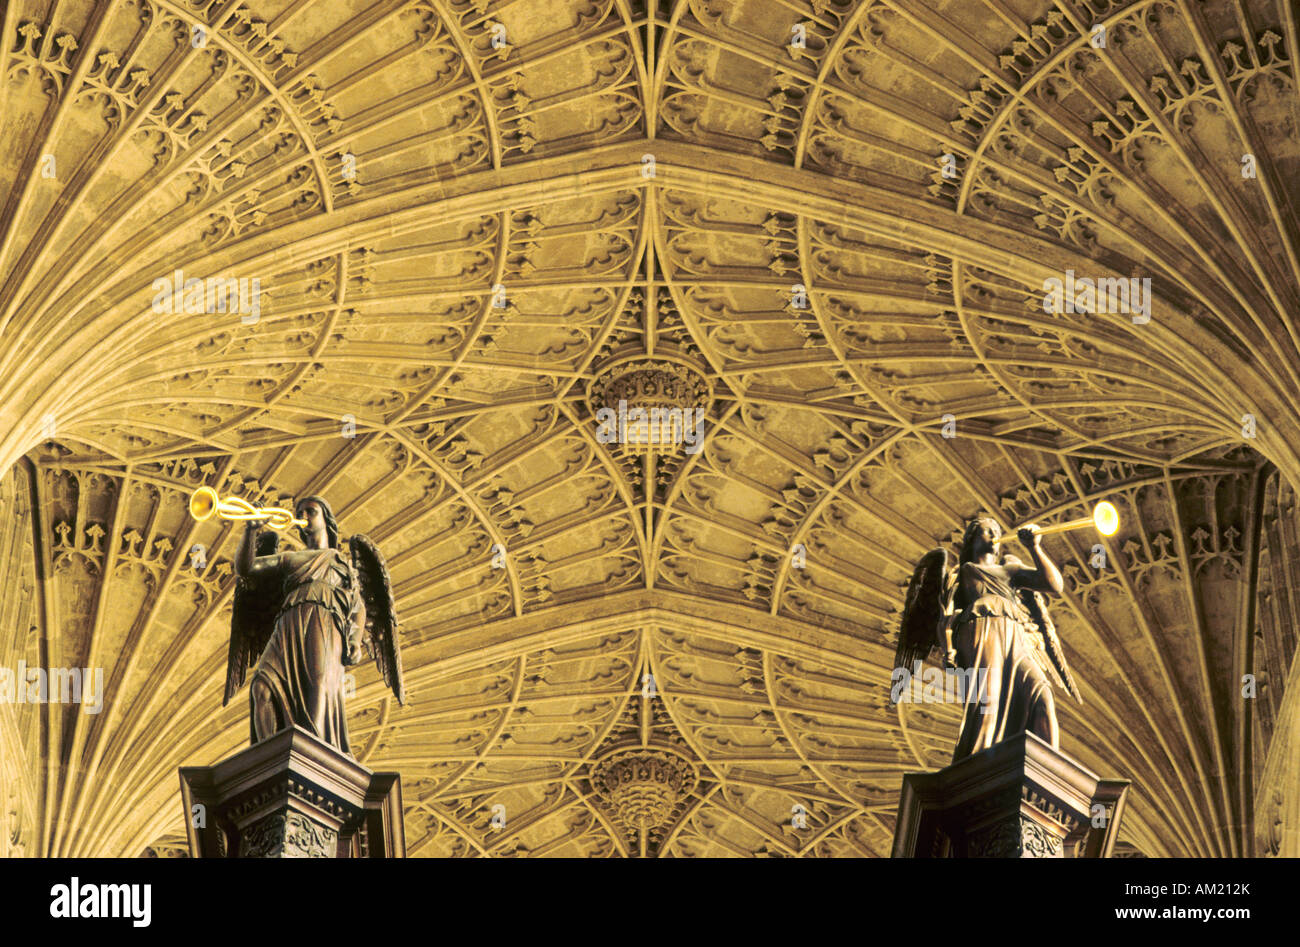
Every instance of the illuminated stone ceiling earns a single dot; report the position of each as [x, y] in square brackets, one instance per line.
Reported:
[459, 212]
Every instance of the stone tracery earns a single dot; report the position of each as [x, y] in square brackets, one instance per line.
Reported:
[521, 167]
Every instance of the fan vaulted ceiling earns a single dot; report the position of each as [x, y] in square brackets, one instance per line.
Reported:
[457, 211]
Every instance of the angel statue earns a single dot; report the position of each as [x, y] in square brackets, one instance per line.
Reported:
[988, 617]
[303, 615]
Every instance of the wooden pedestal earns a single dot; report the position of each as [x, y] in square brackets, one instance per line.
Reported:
[292, 796]
[1019, 799]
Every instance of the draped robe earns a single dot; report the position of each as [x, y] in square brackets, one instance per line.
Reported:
[299, 677]
[994, 635]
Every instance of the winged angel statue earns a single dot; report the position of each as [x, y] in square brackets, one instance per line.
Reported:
[303, 615]
[988, 616]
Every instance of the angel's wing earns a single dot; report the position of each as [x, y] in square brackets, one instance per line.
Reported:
[1036, 605]
[381, 612]
[923, 609]
[252, 618]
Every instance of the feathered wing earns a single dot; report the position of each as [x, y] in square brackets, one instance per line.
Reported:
[381, 612]
[252, 618]
[923, 609]
[1036, 605]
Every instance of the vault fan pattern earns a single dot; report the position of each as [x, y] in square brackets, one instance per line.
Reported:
[832, 220]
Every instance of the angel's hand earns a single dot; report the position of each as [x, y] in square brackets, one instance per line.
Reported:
[950, 659]
[353, 641]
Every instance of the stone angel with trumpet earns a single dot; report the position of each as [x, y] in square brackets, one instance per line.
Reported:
[302, 615]
[987, 614]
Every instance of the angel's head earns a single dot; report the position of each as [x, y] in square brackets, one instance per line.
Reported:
[983, 536]
[320, 521]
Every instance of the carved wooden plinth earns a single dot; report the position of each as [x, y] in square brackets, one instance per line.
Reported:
[292, 796]
[1019, 799]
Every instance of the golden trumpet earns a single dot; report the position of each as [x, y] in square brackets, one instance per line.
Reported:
[204, 504]
[1104, 516]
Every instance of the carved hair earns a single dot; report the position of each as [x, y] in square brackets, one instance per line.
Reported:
[331, 526]
[968, 537]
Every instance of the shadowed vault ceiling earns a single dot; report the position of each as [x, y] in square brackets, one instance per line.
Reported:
[458, 211]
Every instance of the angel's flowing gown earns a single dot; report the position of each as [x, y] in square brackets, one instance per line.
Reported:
[994, 633]
[299, 678]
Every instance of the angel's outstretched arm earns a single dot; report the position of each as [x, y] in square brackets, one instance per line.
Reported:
[244, 560]
[247, 563]
[1046, 577]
